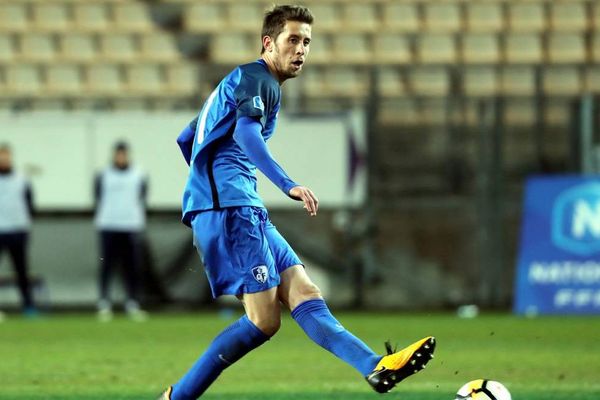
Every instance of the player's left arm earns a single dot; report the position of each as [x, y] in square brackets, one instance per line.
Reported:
[185, 140]
[247, 135]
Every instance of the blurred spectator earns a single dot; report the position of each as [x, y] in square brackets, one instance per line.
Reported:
[120, 196]
[16, 208]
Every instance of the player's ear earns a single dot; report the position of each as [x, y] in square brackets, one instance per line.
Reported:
[267, 43]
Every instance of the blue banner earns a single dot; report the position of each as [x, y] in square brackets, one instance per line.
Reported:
[558, 268]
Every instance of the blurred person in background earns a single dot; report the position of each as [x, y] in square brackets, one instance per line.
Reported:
[120, 193]
[16, 209]
[244, 255]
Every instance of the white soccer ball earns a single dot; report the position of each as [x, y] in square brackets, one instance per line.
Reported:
[483, 389]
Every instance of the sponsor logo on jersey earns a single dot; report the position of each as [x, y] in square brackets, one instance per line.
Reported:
[258, 103]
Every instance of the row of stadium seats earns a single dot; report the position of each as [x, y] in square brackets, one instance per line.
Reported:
[570, 48]
[88, 16]
[374, 16]
[441, 81]
[389, 48]
[100, 80]
[318, 82]
[155, 46]
[518, 112]
[407, 16]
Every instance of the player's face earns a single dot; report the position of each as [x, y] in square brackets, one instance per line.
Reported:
[5, 160]
[291, 48]
[121, 158]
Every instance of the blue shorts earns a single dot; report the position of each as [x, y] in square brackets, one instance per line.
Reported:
[241, 249]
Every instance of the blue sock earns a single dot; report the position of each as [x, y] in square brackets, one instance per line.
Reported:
[318, 323]
[229, 346]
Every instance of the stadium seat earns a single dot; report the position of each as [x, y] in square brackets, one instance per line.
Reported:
[400, 17]
[144, 79]
[480, 81]
[347, 82]
[313, 82]
[182, 79]
[37, 47]
[361, 17]
[132, 17]
[429, 81]
[77, 47]
[328, 16]
[159, 46]
[91, 17]
[50, 17]
[592, 79]
[390, 83]
[391, 48]
[7, 49]
[595, 15]
[480, 48]
[245, 17]
[118, 47]
[23, 79]
[436, 49]
[566, 48]
[13, 17]
[557, 111]
[484, 17]
[568, 16]
[442, 17]
[518, 81]
[526, 16]
[321, 50]
[103, 80]
[401, 111]
[523, 48]
[204, 17]
[561, 81]
[519, 112]
[63, 80]
[595, 48]
[352, 48]
[232, 48]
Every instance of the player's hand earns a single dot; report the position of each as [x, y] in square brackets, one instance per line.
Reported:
[305, 195]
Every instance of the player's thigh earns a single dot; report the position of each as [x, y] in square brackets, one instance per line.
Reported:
[263, 309]
[296, 287]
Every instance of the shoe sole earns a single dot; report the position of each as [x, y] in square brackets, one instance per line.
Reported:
[385, 380]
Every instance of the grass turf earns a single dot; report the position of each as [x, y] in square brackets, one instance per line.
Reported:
[76, 358]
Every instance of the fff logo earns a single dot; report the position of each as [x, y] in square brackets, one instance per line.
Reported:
[576, 220]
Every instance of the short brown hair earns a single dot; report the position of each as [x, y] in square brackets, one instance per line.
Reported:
[275, 19]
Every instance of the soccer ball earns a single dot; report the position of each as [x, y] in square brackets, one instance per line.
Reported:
[483, 389]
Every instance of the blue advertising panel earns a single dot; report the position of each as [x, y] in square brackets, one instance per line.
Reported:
[558, 269]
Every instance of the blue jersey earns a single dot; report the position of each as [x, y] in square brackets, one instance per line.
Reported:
[221, 175]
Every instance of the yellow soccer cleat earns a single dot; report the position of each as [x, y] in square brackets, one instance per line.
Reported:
[397, 366]
[166, 395]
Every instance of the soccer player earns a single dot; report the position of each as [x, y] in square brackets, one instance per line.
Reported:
[120, 194]
[244, 255]
[16, 207]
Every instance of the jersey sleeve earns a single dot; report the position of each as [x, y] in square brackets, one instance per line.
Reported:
[255, 97]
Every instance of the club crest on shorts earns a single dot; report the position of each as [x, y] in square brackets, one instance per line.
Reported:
[261, 273]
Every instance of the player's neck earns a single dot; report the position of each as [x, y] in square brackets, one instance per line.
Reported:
[272, 69]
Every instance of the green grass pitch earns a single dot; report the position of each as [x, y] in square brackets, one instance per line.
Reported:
[76, 358]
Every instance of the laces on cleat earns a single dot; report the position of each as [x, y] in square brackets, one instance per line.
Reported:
[389, 349]
[413, 362]
[418, 354]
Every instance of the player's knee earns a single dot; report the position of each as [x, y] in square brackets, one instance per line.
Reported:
[308, 291]
[269, 325]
